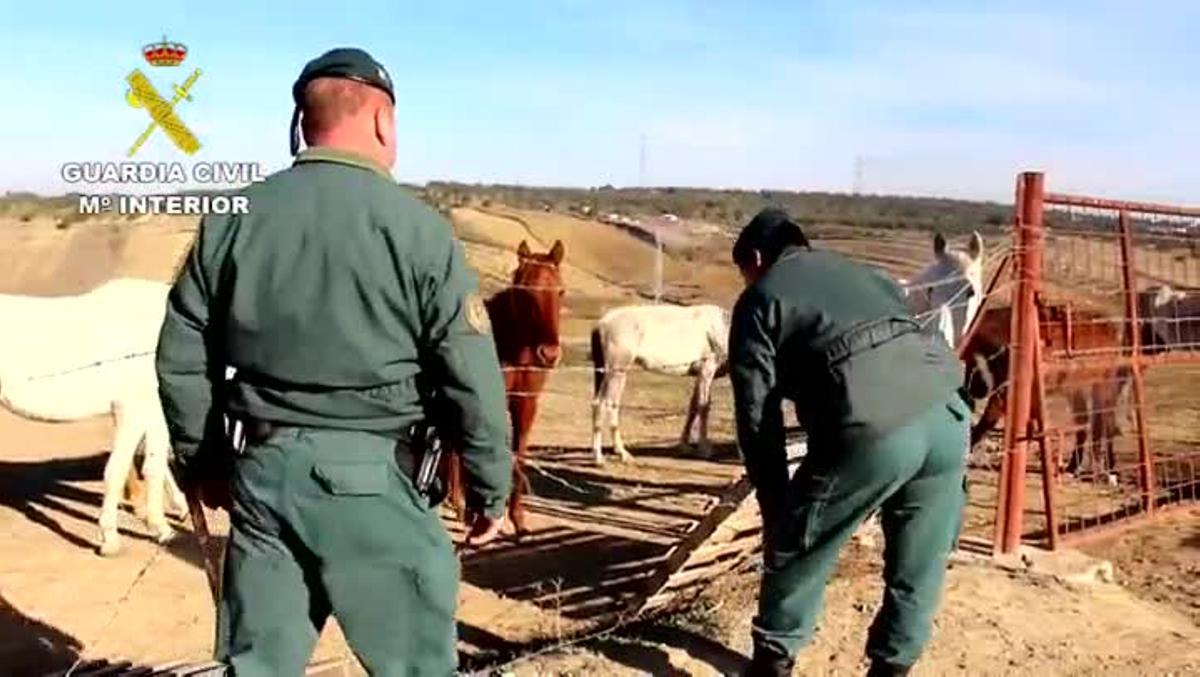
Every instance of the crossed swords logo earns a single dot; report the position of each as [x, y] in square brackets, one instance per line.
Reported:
[141, 94]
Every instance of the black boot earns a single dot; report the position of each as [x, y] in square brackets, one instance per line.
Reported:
[766, 663]
[882, 669]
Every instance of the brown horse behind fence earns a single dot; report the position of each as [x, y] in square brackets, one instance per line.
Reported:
[525, 325]
[1092, 391]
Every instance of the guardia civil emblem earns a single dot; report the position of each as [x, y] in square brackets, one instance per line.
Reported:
[142, 94]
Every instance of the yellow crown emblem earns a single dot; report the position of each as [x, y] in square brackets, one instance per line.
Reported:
[164, 53]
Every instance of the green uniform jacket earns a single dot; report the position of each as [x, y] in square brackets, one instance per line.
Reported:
[835, 337]
[335, 298]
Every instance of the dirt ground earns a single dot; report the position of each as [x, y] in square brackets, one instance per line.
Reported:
[59, 601]
[991, 623]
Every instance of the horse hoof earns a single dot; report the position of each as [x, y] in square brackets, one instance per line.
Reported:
[109, 547]
[600, 461]
[625, 458]
[163, 534]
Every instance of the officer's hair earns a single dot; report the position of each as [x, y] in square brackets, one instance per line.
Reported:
[329, 101]
[769, 233]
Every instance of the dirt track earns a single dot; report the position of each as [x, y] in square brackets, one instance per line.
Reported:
[58, 597]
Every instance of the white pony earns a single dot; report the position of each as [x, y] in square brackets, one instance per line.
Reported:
[1170, 318]
[67, 358]
[668, 339]
[949, 290]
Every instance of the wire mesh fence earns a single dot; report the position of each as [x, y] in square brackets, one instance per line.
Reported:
[1103, 341]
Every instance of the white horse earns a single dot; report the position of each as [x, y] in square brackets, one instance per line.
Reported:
[68, 358]
[1170, 318]
[949, 290]
[668, 339]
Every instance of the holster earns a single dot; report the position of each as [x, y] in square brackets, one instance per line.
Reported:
[420, 457]
[418, 453]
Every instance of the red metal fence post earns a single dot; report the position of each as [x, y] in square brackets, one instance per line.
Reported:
[1048, 455]
[1016, 265]
[1025, 336]
[1145, 461]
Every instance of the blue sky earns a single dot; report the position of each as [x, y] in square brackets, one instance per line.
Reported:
[940, 98]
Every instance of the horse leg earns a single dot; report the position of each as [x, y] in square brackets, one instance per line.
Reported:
[618, 389]
[704, 389]
[116, 471]
[135, 492]
[1105, 396]
[599, 415]
[522, 410]
[175, 496]
[993, 411]
[176, 500]
[452, 475]
[685, 438]
[156, 446]
[1080, 415]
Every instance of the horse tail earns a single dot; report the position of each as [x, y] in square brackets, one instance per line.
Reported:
[597, 362]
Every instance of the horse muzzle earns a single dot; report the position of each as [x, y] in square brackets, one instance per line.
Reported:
[549, 355]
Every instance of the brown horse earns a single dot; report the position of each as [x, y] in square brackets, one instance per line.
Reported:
[1091, 392]
[525, 325]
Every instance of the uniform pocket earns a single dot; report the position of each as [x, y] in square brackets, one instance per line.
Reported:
[353, 479]
[800, 527]
[811, 501]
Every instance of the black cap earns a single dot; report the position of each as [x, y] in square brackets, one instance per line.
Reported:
[344, 62]
[769, 232]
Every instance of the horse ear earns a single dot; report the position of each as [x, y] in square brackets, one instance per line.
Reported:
[523, 251]
[939, 243]
[975, 249]
[557, 252]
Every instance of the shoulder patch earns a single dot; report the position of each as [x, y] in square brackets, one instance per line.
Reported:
[476, 314]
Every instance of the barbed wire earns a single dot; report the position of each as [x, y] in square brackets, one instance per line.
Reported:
[90, 365]
[102, 635]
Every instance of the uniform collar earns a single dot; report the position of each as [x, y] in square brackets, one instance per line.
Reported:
[791, 251]
[344, 157]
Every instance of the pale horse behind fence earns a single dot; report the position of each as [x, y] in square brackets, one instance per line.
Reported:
[67, 358]
[1170, 318]
[948, 291]
[668, 339]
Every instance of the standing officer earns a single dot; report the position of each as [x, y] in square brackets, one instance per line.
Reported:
[886, 430]
[340, 300]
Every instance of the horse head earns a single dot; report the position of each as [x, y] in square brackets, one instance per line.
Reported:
[538, 284]
[950, 288]
[1166, 316]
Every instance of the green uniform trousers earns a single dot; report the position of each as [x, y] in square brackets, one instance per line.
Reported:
[914, 477]
[325, 522]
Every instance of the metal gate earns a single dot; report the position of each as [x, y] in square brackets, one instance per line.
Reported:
[1103, 410]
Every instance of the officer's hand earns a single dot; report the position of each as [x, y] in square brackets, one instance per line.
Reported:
[482, 529]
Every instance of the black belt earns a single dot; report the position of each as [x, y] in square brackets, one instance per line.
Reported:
[867, 335]
[257, 432]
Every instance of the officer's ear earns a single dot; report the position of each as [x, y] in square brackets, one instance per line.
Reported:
[385, 131]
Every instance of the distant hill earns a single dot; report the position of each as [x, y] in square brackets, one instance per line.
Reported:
[729, 209]
[732, 208]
